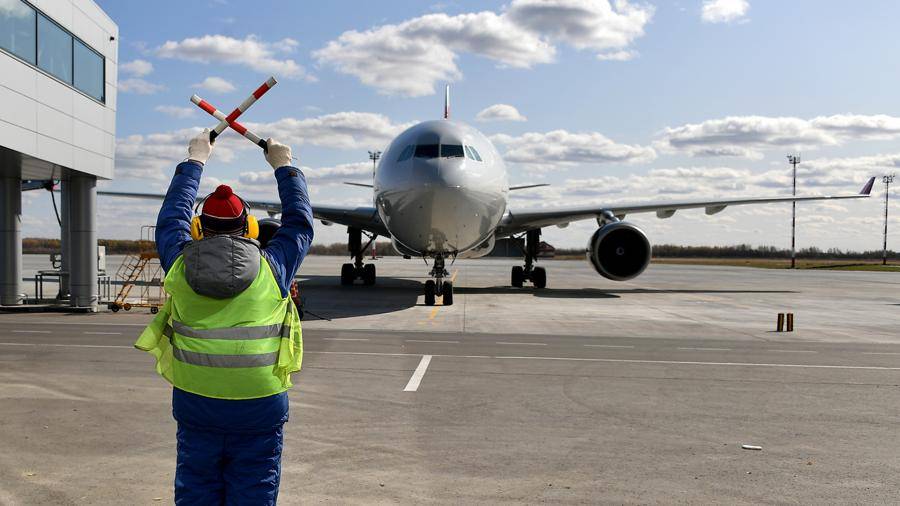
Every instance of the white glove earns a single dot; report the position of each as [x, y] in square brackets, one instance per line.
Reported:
[278, 155]
[200, 147]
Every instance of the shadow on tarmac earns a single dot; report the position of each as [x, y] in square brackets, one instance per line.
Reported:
[593, 293]
[325, 298]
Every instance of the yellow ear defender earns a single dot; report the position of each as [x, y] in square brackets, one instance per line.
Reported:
[251, 224]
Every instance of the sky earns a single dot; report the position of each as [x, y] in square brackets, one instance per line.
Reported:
[606, 101]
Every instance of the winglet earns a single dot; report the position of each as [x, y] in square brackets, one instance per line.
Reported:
[867, 189]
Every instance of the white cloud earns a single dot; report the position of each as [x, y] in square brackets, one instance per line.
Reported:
[410, 57]
[724, 11]
[348, 130]
[136, 68]
[154, 156]
[583, 24]
[175, 111]
[250, 52]
[139, 86]
[500, 112]
[560, 149]
[215, 84]
[353, 172]
[747, 136]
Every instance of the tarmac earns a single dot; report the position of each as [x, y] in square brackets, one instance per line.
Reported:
[586, 392]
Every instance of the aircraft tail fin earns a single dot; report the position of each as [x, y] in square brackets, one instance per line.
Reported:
[867, 189]
[447, 102]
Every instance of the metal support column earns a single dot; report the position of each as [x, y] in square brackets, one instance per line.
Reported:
[65, 240]
[10, 237]
[83, 236]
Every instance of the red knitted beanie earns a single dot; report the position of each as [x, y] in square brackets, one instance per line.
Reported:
[223, 212]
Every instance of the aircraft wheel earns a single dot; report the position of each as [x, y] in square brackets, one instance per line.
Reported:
[518, 274]
[539, 277]
[369, 274]
[447, 292]
[347, 274]
[429, 293]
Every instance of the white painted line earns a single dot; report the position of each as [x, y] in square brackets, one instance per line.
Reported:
[880, 353]
[31, 331]
[417, 375]
[345, 339]
[607, 346]
[793, 351]
[104, 333]
[704, 349]
[522, 344]
[622, 361]
[69, 345]
[430, 341]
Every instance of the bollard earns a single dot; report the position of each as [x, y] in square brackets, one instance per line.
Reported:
[790, 322]
[779, 327]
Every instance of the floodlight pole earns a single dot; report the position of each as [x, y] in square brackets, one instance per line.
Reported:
[887, 191]
[374, 156]
[794, 160]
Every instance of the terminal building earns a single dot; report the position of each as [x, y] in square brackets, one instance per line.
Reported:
[58, 61]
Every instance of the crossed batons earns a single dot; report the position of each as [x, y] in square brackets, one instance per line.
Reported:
[231, 119]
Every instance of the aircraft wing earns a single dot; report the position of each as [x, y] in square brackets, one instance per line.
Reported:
[515, 222]
[365, 218]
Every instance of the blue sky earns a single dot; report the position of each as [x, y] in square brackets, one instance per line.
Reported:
[622, 101]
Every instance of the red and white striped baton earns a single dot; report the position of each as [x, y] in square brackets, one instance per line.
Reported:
[237, 127]
[230, 120]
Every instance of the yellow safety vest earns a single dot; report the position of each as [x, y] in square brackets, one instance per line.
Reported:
[242, 347]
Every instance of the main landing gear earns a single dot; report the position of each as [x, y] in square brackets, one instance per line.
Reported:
[357, 270]
[438, 287]
[537, 275]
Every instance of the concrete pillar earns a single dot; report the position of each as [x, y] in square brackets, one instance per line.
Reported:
[10, 236]
[83, 236]
[65, 240]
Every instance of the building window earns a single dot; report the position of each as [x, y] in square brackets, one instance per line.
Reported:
[54, 49]
[89, 71]
[17, 27]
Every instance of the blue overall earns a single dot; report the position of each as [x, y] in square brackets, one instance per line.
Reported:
[229, 452]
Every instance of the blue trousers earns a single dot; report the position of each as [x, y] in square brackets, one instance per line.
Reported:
[218, 468]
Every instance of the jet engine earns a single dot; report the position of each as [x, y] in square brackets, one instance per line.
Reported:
[619, 251]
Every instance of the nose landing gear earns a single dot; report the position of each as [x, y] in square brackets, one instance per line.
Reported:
[528, 272]
[438, 287]
[357, 270]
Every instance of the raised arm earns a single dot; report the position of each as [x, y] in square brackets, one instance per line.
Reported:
[173, 225]
[286, 250]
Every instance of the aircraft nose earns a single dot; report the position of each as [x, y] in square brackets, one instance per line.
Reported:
[442, 172]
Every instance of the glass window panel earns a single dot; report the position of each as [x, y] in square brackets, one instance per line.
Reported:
[54, 49]
[469, 154]
[475, 152]
[88, 71]
[17, 29]
[427, 151]
[406, 154]
[452, 151]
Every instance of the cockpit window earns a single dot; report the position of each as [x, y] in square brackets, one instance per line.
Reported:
[475, 153]
[452, 151]
[427, 151]
[407, 153]
[469, 154]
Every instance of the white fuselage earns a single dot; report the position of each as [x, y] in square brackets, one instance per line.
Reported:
[441, 189]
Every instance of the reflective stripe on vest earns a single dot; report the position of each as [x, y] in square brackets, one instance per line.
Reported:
[262, 332]
[207, 360]
[232, 333]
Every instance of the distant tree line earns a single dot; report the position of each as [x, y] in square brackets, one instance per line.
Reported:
[749, 251]
[384, 248]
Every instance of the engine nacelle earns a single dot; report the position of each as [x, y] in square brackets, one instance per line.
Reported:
[619, 251]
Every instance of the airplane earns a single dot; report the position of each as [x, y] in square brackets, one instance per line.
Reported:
[441, 191]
